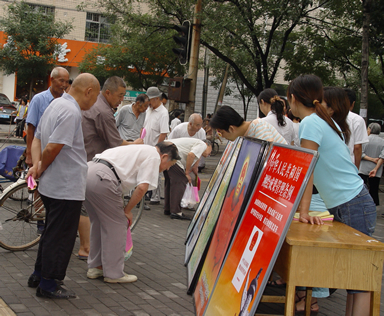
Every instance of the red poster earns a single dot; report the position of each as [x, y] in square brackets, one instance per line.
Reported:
[258, 239]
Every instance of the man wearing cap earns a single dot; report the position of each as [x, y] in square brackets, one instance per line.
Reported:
[156, 127]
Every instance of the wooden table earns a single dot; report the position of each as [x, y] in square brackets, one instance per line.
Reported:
[333, 255]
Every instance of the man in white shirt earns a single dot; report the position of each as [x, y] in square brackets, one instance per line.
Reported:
[359, 134]
[156, 127]
[192, 128]
[177, 177]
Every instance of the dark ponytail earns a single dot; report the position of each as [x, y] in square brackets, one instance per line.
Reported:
[277, 104]
[308, 90]
[337, 99]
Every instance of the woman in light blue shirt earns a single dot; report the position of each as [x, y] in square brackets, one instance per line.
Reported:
[335, 176]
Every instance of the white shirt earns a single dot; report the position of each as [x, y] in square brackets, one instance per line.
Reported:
[359, 133]
[286, 131]
[186, 145]
[174, 123]
[181, 130]
[134, 164]
[156, 123]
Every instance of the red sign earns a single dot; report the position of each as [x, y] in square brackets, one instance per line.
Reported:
[254, 249]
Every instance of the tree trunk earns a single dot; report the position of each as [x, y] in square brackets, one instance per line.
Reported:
[30, 90]
[365, 60]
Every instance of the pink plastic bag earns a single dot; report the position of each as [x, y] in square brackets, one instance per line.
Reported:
[128, 245]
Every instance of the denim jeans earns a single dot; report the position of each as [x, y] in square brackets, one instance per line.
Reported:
[359, 213]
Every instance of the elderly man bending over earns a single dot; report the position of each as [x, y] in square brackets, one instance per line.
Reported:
[111, 174]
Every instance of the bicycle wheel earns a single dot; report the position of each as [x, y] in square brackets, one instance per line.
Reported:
[215, 149]
[19, 218]
[136, 211]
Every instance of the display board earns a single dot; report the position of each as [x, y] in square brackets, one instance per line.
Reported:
[260, 234]
[248, 165]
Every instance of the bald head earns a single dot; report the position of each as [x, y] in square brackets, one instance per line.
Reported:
[195, 122]
[85, 90]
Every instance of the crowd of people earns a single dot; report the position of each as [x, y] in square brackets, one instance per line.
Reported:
[87, 157]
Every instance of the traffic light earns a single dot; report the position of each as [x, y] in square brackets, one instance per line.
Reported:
[184, 41]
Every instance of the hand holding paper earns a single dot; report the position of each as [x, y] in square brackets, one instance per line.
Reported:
[31, 183]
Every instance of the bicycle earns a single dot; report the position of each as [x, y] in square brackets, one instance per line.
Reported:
[215, 148]
[20, 211]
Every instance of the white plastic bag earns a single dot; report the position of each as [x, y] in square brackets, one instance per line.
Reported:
[189, 199]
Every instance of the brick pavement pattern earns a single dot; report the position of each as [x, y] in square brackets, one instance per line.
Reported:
[157, 260]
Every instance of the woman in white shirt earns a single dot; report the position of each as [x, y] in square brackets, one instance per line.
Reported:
[273, 108]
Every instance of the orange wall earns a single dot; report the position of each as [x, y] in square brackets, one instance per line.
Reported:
[75, 56]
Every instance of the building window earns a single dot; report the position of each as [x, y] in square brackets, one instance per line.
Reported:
[42, 8]
[97, 28]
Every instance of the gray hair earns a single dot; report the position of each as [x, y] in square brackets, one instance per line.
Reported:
[208, 142]
[142, 98]
[375, 128]
[113, 84]
[192, 117]
[56, 71]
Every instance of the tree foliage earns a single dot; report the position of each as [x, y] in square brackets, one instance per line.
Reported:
[31, 41]
[262, 39]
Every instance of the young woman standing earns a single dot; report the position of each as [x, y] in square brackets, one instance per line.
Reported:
[335, 176]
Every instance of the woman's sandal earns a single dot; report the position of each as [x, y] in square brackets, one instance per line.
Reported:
[275, 284]
[313, 310]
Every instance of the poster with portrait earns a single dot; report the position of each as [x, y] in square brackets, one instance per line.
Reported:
[213, 184]
[261, 232]
[248, 166]
[211, 210]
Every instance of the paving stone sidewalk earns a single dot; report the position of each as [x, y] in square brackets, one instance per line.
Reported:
[157, 260]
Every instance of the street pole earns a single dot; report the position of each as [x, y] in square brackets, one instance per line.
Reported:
[194, 60]
[206, 81]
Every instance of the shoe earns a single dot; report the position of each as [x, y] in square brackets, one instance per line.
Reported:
[58, 293]
[34, 281]
[300, 307]
[94, 273]
[154, 202]
[167, 212]
[180, 216]
[127, 278]
[146, 207]
[85, 258]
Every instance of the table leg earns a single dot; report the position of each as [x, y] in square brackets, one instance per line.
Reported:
[290, 299]
[308, 301]
[375, 303]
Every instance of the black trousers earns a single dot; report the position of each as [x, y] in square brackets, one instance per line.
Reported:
[174, 187]
[57, 241]
[373, 185]
[20, 127]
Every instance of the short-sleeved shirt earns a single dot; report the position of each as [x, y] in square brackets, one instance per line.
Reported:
[174, 123]
[286, 131]
[128, 125]
[181, 130]
[99, 128]
[373, 149]
[65, 177]
[335, 176]
[134, 164]
[38, 105]
[359, 133]
[261, 129]
[188, 145]
[156, 123]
